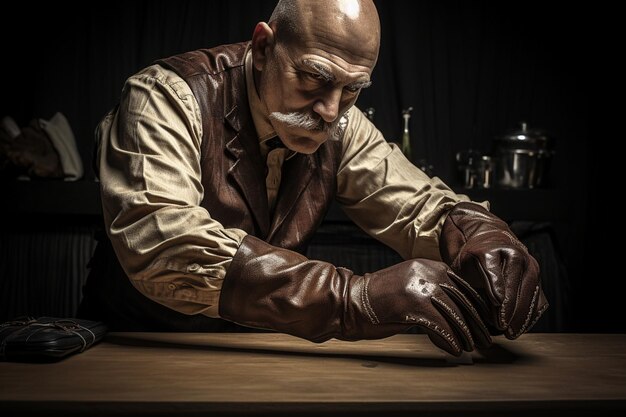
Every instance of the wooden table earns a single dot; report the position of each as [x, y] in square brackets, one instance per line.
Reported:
[264, 373]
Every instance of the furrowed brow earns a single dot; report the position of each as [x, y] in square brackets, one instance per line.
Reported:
[329, 76]
[360, 84]
[320, 69]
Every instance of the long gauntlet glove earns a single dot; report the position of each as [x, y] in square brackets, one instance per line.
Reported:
[277, 289]
[483, 251]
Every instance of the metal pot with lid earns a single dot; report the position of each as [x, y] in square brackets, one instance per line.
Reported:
[523, 157]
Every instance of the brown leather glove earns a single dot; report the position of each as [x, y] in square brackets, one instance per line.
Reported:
[483, 251]
[272, 288]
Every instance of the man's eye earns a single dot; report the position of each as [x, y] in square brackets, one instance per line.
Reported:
[352, 89]
[315, 77]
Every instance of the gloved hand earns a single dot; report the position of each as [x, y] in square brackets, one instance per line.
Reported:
[277, 289]
[504, 277]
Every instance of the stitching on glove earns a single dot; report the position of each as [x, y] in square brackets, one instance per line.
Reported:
[365, 299]
[456, 318]
[469, 305]
[441, 332]
[507, 298]
[529, 315]
[518, 293]
[502, 319]
[538, 316]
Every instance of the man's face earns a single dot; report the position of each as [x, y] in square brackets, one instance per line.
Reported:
[307, 89]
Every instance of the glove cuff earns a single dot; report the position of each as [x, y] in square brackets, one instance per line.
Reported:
[464, 220]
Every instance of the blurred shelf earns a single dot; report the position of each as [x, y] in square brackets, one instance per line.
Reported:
[539, 204]
[83, 198]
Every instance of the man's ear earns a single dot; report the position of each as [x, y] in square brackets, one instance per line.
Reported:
[262, 41]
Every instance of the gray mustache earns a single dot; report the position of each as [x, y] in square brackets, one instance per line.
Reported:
[305, 121]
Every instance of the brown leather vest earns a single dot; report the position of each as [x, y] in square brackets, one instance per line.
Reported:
[233, 170]
[233, 177]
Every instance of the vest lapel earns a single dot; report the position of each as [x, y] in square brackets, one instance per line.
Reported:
[296, 176]
[247, 169]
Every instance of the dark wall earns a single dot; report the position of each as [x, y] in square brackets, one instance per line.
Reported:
[470, 69]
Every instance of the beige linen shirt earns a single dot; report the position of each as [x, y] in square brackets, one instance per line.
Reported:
[171, 248]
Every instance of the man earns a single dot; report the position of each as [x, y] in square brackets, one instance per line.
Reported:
[218, 165]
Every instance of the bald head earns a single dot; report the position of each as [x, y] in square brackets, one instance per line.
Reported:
[311, 61]
[341, 24]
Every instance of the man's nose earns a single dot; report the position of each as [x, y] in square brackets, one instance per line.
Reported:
[328, 105]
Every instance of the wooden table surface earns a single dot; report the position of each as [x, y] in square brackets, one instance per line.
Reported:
[264, 373]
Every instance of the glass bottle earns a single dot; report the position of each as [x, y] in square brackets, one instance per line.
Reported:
[406, 137]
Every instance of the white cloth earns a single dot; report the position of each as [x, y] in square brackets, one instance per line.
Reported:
[62, 137]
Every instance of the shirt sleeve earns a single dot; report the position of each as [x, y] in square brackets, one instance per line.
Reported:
[389, 197]
[150, 175]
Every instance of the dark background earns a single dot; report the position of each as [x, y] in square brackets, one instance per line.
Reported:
[470, 69]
